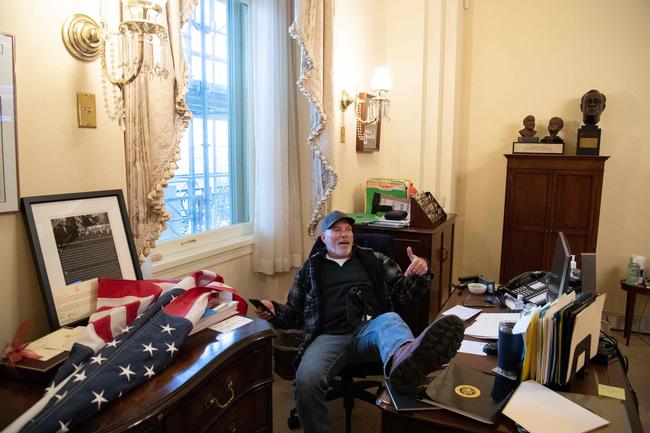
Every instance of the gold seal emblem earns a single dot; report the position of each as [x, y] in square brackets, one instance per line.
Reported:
[467, 391]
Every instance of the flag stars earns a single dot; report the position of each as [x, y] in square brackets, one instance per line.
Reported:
[63, 427]
[148, 348]
[80, 377]
[99, 399]
[98, 359]
[113, 343]
[61, 396]
[78, 366]
[125, 330]
[168, 329]
[150, 373]
[126, 371]
[171, 348]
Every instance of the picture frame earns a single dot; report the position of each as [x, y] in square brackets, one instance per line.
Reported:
[77, 238]
[8, 137]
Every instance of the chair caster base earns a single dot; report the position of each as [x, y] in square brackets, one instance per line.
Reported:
[293, 422]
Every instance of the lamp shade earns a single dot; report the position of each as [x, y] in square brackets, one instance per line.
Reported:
[381, 79]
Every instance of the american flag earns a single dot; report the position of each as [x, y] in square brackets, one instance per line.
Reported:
[136, 332]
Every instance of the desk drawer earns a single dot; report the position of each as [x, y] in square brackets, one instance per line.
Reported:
[251, 414]
[224, 388]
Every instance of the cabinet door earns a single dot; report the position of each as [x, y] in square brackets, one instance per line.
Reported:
[528, 200]
[573, 213]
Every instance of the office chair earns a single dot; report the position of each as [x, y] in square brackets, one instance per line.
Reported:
[344, 385]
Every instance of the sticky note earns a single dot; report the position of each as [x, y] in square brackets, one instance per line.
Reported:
[611, 391]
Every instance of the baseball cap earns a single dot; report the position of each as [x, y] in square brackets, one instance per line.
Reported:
[334, 216]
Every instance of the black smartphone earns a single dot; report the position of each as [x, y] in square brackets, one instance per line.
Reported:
[260, 306]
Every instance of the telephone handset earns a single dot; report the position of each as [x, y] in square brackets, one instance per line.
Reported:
[525, 278]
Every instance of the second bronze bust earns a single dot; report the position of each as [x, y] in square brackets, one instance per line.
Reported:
[555, 125]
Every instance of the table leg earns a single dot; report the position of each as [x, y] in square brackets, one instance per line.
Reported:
[629, 315]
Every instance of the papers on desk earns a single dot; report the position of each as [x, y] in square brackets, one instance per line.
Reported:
[472, 347]
[463, 313]
[59, 341]
[394, 224]
[540, 410]
[486, 325]
[229, 324]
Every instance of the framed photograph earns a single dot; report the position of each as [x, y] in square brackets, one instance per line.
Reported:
[8, 164]
[76, 239]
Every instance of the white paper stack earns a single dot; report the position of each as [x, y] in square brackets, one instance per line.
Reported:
[487, 325]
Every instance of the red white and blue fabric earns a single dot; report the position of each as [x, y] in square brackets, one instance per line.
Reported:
[136, 332]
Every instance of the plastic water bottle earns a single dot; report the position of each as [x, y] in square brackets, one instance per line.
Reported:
[574, 268]
[633, 269]
[519, 305]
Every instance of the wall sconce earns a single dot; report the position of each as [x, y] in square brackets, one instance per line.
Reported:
[370, 108]
[137, 45]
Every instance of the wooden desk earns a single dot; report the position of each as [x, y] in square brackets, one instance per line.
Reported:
[443, 421]
[184, 397]
[632, 290]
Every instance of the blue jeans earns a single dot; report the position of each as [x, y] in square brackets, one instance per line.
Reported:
[328, 353]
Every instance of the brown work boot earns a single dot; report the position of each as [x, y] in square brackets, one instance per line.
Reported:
[435, 346]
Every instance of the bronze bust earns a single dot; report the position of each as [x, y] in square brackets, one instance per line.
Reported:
[555, 125]
[529, 127]
[592, 105]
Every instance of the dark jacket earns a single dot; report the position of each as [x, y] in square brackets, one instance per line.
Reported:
[303, 308]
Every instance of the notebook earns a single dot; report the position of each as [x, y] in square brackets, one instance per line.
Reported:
[470, 392]
[406, 402]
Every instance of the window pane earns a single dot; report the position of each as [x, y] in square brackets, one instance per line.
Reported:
[208, 190]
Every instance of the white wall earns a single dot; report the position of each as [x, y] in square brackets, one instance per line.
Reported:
[518, 58]
[54, 156]
[534, 57]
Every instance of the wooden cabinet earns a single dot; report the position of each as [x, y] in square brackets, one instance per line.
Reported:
[546, 194]
[218, 383]
[436, 245]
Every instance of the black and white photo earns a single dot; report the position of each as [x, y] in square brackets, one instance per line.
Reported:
[76, 239]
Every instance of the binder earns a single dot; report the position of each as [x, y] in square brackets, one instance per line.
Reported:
[587, 323]
[470, 392]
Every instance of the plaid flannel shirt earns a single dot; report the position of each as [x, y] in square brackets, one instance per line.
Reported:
[303, 307]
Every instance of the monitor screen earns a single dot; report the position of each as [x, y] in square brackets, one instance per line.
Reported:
[558, 278]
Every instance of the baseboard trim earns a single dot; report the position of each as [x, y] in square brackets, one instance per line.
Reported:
[639, 323]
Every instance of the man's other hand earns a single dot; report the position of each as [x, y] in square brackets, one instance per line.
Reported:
[418, 265]
[265, 314]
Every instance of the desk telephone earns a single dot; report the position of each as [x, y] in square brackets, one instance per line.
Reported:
[532, 285]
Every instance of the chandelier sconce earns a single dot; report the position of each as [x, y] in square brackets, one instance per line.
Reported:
[138, 45]
[370, 108]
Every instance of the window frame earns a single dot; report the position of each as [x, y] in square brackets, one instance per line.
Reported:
[221, 244]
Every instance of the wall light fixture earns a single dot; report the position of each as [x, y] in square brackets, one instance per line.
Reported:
[377, 104]
[138, 44]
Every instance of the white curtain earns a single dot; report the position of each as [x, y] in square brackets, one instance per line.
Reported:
[312, 29]
[277, 222]
[156, 117]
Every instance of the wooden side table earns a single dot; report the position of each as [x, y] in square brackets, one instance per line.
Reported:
[632, 291]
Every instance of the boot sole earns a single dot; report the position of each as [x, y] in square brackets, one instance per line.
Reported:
[440, 343]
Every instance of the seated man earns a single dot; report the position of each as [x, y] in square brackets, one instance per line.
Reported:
[333, 294]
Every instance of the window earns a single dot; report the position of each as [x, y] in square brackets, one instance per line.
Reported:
[210, 188]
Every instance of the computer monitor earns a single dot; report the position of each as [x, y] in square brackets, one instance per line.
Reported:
[558, 277]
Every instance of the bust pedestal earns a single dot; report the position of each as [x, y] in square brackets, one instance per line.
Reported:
[588, 142]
